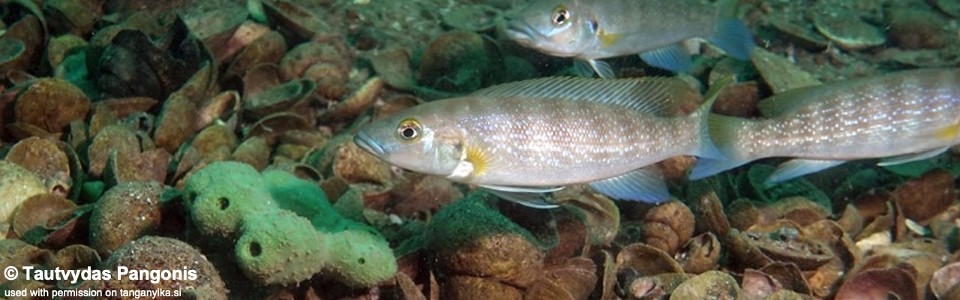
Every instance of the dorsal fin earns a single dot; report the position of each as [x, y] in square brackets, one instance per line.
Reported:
[654, 95]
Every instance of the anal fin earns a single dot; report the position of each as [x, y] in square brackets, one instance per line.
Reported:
[902, 159]
[672, 58]
[644, 184]
[707, 167]
[798, 167]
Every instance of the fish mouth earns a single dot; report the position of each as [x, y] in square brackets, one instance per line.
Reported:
[364, 140]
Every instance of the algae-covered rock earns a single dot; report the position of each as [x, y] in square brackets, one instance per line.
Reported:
[464, 221]
[283, 248]
[286, 229]
[471, 238]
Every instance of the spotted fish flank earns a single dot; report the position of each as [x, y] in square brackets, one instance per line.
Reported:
[902, 116]
[539, 135]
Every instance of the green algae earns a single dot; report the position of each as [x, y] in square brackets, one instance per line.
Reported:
[469, 219]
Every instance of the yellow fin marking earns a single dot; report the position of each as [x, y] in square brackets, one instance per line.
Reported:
[608, 39]
[950, 133]
[479, 159]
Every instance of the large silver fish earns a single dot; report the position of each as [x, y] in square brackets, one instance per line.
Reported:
[902, 116]
[539, 135]
[594, 29]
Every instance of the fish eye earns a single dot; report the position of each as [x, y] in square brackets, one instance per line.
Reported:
[560, 15]
[409, 129]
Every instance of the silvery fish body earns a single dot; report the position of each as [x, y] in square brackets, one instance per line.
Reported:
[539, 134]
[902, 116]
[591, 30]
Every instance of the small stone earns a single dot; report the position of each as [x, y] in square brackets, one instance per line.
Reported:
[51, 104]
[125, 213]
[912, 28]
[848, 31]
[780, 73]
[16, 186]
[949, 7]
[802, 35]
[161, 253]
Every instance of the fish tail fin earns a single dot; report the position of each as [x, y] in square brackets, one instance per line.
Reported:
[723, 132]
[706, 147]
[734, 37]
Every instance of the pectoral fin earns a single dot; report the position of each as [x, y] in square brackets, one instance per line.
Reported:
[896, 160]
[582, 68]
[644, 184]
[672, 58]
[798, 167]
[586, 68]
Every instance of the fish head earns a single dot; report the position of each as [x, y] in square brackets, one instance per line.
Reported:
[424, 143]
[555, 27]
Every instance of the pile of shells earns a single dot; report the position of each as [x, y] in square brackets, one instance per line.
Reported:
[905, 33]
[99, 133]
[796, 247]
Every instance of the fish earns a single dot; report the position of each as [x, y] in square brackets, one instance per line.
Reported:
[590, 30]
[537, 136]
[898, 117]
